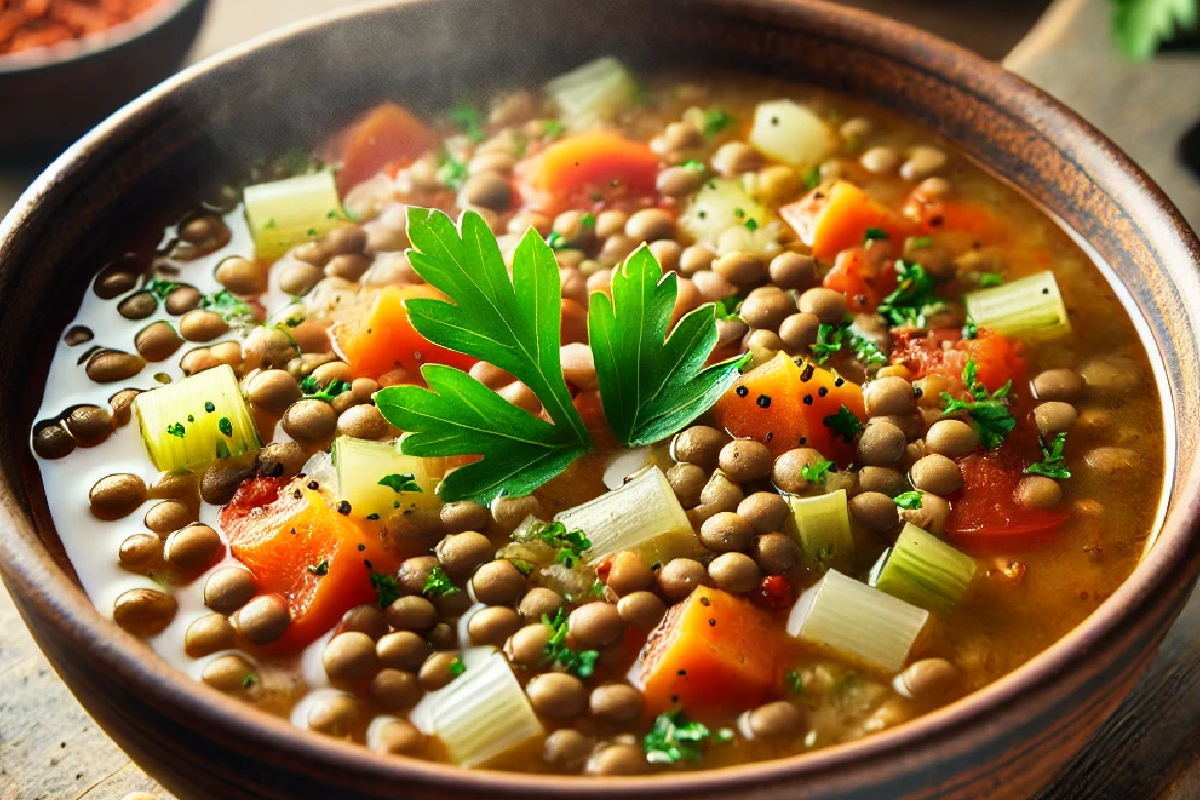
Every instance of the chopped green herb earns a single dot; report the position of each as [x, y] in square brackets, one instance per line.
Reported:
[921, 242]
[457, 667]
[176, 429]
[320, 568]
[844, 424]
[401, 482]
[694, 164]
[210, 406]
[674, 738]
[569, 546]
[751, 224]
[987, 279]
[225, 426]
[818, 472]
[865, 350]
[913, 299]
[812, 179]
[313, 391]
[728, 308]
[249, 680]
[875, 235]
[232, 309]
[829, 341]
[451, 172]
[557, 651]
[556, 240]
[970, 329]
[588, 220]
[988, 412]
[1052, 464]
[467, 118]
[438, 584]
[716, 120]
[794, 679]
[909, 500]
[523, 566]
[160, 287]
[725, 735]
[553, 128]
[387, 589]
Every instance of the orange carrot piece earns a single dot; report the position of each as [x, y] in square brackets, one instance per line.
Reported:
[580, 171]
[711, 653]
[387, 135]
[964, 216]
[383, 339]
[830, 219]
[319, 560]
[784, 405]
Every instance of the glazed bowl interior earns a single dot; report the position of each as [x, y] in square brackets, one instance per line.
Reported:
[293, 88]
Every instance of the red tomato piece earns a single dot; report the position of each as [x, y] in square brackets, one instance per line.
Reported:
[865, 284]
[986, 507]
[386, 136]
[944, 352]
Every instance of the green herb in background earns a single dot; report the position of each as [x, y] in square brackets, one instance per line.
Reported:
[1140, 26]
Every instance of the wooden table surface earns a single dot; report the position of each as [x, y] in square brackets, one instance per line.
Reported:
[1150, 750]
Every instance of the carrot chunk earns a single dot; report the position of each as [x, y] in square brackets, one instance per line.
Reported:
[386, 136]
[584, 170]
[785, 404]
[384, 338]
[319, 560]
[830, 219]
[712, 652]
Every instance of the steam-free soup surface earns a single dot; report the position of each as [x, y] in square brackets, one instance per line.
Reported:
[903, 437]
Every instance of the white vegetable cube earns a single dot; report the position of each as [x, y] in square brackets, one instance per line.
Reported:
[283, 214]
[822, 527]
[593, 93]
[789, 132]
[721, 204]
[363, 464]
[857, 622]
[1029, 308]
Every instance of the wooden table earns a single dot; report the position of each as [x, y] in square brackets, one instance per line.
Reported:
[51, 750]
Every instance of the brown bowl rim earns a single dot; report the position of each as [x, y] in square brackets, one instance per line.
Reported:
[43, 583]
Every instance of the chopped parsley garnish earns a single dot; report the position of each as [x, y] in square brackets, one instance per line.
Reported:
[556, 240]
[913, 298]
[751, 224]
[987, 279]
[829, 341]
[313, 391]
[210, 406]
[161, 287]
[400, 482]
[467, 118]
[909, 500]
[581, 664]
[1052, 464]
[812, 179]
[921, 242]
[989, 413]
[387, 589]
[457, 667]
[249, 680]
[320, 568]
[694, 164]
[728, 308]
[817, 472]
[874, 235]
[716, 120]
[451, 172]
[229, 307]
[225, 426]
[523, 566]
[844, 424]
[970, 329]
[588, 220]
[176, 429]
[794, 679]
[674, 738]
[568, 545]
[438, 584]
[865, 350]
[553, 128]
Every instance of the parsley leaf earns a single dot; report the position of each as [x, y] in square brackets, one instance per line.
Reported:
[794, 679]
[313, 391]
[232, 309]
[874, 235]
[1140, 25]
[913, 297]
[580, 664]
[919, 242]
[987, 279]
[909, 500]
[988, 412]
[865, 350]
[177, 430]
[844, 424]
[716, 120]
[320, 568]
[652, 384]
[674, 738]
[451, 172]
[829, 341]
[728, 308]
[970, 329]
[568, 545]
[438, 584]
[817, 472]
[161, 287]
[553, 128]
[510, 323]
[1052, 464]
[467, 118]
[457, 667]
[401, 482]
[387, 589]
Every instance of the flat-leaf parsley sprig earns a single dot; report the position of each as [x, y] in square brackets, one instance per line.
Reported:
[989, 413]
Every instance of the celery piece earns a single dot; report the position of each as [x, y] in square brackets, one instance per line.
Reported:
[857, 622]
[376, 479]
[283, 214]
[822, 526]
[643, 515]
[480, 714]
[790, 132]
[720, 204]
[1029, 308]
[923, 570]
[593, 93]
[188, 424]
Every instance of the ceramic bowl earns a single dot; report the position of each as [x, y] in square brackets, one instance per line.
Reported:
[1002, 742]
[52, 95]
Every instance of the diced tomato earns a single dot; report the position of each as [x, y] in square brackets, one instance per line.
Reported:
[985, 509]
[944, 352]
[830, 219]
[387, 136]
[586, 170]
[865, 284]
[775, 593]
[965, 216]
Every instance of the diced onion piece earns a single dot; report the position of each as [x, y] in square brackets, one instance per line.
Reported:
[643, 515]
[1029, 308]
[480, 714]
[593, 93]
[720, 204]
[923, 570]
[283, 214]
[857, 622]
[823, 528]
[789, 132]
[182, 433]
[362, 464]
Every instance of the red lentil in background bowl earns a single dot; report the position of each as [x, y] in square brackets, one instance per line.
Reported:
[305, 85]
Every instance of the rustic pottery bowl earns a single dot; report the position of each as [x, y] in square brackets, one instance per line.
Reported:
[1002, 742]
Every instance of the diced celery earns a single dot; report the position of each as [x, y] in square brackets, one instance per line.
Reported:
[283, 214]
[643, 515]
[363, 464]
[720, 204]
[1029, 308]
[789, 132]
[593, 93]
[857, 622]
[480, 714]
[823, 528]
[188, 424]
[923, 570]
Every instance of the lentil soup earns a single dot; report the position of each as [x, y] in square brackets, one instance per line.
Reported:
[454, 493]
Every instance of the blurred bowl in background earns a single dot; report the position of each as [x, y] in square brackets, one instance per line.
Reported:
[53, 95]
